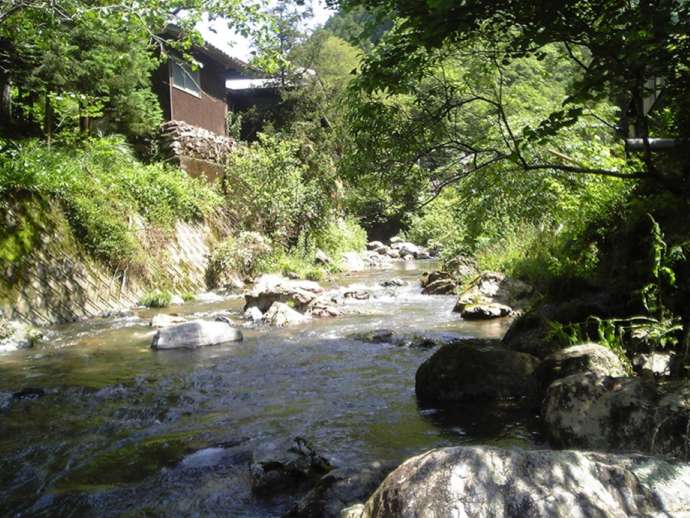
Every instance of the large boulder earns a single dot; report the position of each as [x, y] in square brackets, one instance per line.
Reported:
[599, 412]
[274, 288]
[672, 421]
[281, 315]
[194, 334]
[462, 267]
[337, 490]
[577, 359]
[17, 335]
[280, 467]
[476, 370]
[407, 249]
[618, 414]
[514, 483]
[533, 332]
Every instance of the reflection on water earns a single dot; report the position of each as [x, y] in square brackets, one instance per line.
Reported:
[118, 422]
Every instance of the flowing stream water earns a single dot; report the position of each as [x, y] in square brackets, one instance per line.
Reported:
[95, 423]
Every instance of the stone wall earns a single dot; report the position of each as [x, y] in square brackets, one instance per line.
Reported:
[181, 139]
[60, 283]
[198, 151]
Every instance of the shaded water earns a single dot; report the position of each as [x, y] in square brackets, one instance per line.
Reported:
[118, 427]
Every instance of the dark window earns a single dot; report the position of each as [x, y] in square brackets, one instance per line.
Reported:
[184, 78]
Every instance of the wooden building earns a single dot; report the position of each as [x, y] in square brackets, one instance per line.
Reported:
[196, 94]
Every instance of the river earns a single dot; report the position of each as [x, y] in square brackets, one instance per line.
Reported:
[105, 426]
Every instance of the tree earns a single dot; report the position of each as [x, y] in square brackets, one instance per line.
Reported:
[618, 46]
[81, 59]
[284, 32]
[359, 26]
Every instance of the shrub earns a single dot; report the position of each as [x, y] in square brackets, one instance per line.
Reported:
[274, 189]
[156, 299]
[244, 255]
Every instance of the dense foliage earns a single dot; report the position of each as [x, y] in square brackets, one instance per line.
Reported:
[101, 187]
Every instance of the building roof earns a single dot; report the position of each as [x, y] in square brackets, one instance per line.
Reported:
[215, 53]
[250, 84]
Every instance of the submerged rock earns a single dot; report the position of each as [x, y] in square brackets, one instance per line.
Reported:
[376, 336]
[163, 320]
[191, 335]
[420, 341]
[501, 483]
[287, 466]
[338, 489]
[281, 315]
[476, 370]
[357, 295]
[578, 359]
[485, 311]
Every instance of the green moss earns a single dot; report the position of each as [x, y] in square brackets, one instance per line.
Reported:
[128, 463]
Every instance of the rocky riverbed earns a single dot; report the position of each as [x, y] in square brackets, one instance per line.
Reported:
[302, 399]
[95, 421]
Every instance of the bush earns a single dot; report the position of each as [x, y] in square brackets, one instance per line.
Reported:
[339, 236]
[156, 299]
[272, 189]
[244, 255]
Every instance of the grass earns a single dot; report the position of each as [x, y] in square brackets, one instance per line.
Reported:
[156, 299]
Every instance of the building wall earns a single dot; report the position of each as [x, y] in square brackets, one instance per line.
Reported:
[207, 112]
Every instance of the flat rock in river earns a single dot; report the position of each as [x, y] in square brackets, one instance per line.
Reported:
[191, 335]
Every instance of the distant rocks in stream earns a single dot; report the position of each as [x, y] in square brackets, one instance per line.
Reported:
[281, 301]
[165, 320]
[195, 334]
[492, 295]
[380, 255]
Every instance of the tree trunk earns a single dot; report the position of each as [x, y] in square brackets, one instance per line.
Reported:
[48, 120]
[5, 102]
